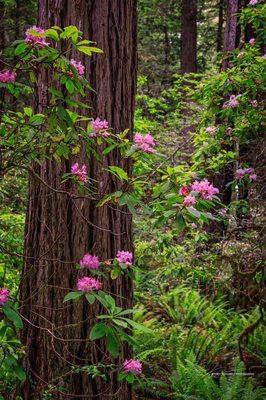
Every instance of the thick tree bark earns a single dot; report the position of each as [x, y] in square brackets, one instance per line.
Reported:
[219, 40]
[231, 34]
[188, 36]
[57, 235]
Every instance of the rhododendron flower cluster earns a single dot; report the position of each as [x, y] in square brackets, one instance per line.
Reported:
[78, 66]
[189, 200]
[100, 126]
[183, 191]
[205, 189]
[124, 257]
[232, 102]
[252, 42]
[145, 143]
[33, 37]
[134, 366]
[88, 284]
[211, 130]
[90, 261]
[80, 172]
[7, 76]
[253, 2]
[242, 172]
[4, 296]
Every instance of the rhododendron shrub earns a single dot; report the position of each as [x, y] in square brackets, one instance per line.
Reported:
[62, 131]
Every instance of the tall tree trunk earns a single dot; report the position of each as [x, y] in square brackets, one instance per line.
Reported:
[188, 36]
[57, 235]
[219, 40]
[231, 34]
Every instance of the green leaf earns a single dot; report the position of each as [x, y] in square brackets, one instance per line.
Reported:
[28, 111]
[98, 331]
[90, 298]
[20, 49]
[113, 343]
[70, 86]
[52, 33]
[119, 172]
[138, 326]
[95, 50]
[20, 373]
[72, 296]
[120, 322]
[13, 316]
[85, 50]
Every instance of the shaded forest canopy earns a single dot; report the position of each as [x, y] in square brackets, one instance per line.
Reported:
[132, 199]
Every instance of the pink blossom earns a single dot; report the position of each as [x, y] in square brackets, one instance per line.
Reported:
[193, 225]
[145, 143]
[229, 131]
[205, 189]
[80, 172]
[211, 130]
[78, 65]
[254, 103]
[7, 76]
[253, 177]
[4, 296]
[100, 126]
[232, 102]
[253, 2]
[252, 42]
[35, 36]
[124, 257]
[240, 173]
[88, 284]
[183, 191]
[134, 366]
[189, 200]
[90, 261]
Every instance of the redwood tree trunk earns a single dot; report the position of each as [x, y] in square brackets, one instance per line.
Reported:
[231, 34]
[59, 230]
[188, 36]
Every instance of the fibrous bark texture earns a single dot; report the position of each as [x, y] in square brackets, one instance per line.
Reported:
[188, 36]
[60, 229]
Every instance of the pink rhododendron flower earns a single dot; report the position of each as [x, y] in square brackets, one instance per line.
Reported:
[240, 173]
[145, 143]
[193, 225]
[88, 284]
[211, 130]
[232, 102]
[252, 42]
[134, 366]
[32, 37]
[183, 191]
[100, 126]
[254, 103]
[80, 172]
[7, 76]
[90, 261]
[229, 131]
[205, 189]
[79, 66]
[4, 296]
[189, 200]
[253, 2]
[124, 257]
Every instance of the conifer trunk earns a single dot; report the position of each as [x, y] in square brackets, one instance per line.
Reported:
[57, 235]
[188, 36]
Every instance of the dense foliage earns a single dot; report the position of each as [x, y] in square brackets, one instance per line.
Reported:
[197, 326]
